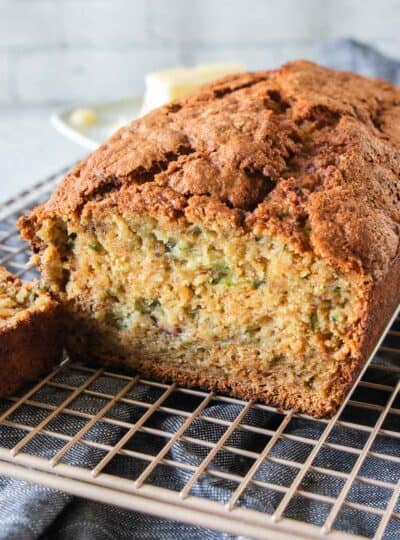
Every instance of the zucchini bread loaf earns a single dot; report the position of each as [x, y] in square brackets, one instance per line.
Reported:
[243, 239]
[30, 341]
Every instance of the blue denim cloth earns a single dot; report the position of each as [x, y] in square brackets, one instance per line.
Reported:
[29, 511]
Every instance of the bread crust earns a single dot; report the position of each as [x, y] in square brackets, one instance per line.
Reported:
[317, 146]
[304, 153]
[241, 389]
[30, 344]
[382, 304]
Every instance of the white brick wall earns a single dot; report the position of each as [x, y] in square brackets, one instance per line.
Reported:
[4, 78]
[273, 21]
[26, 23]
[84, 74]
[103, 22]
[230, 22]
[54, 51]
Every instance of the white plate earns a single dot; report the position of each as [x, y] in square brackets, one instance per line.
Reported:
[111, 116]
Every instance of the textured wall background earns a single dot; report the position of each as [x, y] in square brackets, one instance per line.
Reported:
[58, 51]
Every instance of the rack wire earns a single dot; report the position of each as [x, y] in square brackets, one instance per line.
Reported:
[332, 470]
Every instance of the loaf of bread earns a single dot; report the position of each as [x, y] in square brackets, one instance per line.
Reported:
[30, 343]
[244, 239]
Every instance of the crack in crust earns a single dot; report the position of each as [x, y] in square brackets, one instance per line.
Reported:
[305, 152]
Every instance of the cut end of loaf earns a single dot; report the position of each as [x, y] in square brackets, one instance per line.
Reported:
[246, 314]
[20, 299]
[30, 340]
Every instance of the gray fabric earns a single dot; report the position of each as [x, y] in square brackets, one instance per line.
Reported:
[351, 55]
[30, 511]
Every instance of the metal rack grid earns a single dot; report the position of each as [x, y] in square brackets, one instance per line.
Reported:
[313, 482]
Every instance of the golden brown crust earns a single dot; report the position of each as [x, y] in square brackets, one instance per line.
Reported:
[30, 343]
[277, 396]
[382, 302]
[304, 150]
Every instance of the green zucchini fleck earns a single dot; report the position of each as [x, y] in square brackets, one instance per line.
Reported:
[94, 246]
[314, 321]
[195, 229]
[71, 239]
[220, 273]
[146, 306]
[117, 321]
[192, 312]
[33, 295]
[170, 244]
[282, 214]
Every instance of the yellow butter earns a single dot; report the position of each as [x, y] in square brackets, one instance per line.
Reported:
[170, 84]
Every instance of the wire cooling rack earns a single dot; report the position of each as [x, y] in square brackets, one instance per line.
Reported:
[258, 472]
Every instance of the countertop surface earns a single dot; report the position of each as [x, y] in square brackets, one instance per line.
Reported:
[31, 148]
